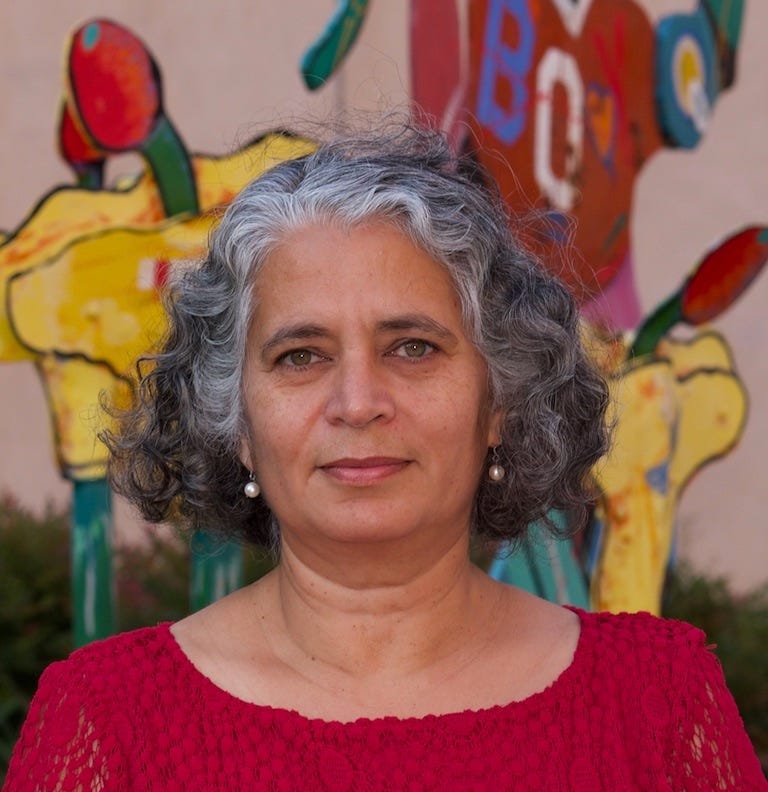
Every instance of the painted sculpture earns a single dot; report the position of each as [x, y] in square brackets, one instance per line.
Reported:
[81, 277]
[555, 89]
[677, 406]
[564, 102]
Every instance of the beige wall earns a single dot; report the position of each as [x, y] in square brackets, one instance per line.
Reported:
[685, 202]
[231, 69]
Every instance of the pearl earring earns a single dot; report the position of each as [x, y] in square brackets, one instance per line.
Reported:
[251, 488]
[496, 472]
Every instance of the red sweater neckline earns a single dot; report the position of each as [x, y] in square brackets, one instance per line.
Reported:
[545, 698]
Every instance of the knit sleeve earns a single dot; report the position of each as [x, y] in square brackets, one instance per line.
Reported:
[66, 742]
[711, 748]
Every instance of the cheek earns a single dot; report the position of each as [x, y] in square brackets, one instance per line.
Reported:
[468, 405]
[279, 425]
[461, 423]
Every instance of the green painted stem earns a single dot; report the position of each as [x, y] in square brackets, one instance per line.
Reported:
[323, 57]
[172, 169]
[217, 569]
[90, 175]
[652, 330]
[92, 587]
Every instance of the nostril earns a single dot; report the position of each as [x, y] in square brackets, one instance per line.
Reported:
[360, 397]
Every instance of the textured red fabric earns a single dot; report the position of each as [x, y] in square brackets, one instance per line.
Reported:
[643, 706]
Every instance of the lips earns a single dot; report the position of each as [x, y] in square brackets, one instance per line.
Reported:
[362, 471]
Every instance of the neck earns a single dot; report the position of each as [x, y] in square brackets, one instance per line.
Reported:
[413, 614]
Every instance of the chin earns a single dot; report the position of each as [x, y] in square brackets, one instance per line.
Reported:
[365, 523]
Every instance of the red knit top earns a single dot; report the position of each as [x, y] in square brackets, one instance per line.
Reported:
[642, 706]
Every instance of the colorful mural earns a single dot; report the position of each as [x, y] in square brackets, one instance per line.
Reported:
[561, 107]
[564, 102]
[673, 412]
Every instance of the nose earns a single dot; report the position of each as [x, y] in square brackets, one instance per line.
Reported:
[360, 393]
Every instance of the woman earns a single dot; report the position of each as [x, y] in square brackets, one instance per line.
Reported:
[366, 369]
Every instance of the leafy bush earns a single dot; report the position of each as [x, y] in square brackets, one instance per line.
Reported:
[738, 626]
[151, 581]
[34, 608]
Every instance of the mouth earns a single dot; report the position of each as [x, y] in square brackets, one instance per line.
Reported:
[363, 471]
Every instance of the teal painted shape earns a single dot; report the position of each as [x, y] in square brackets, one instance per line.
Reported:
[726, 17]
[592, 546]
[544, 565]
[91, 35]
[217, 569]
[323, 57]
[684, 125]
[516, 569]
[93, 597]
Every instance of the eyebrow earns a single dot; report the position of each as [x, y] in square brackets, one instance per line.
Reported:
[401, 323]
[294, 332]
[416, 321]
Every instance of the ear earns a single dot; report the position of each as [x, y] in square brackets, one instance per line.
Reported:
[494, 428]
[245, 454]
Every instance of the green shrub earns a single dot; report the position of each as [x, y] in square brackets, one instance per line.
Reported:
[34, 608]
[151, 582]
[738, 626]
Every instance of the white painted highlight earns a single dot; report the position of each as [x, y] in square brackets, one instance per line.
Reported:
[558, 67]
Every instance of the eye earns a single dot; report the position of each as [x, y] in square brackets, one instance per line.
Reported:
[298, 358]
[415, 348]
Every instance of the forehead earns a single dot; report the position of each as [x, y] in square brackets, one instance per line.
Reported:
[373, 267]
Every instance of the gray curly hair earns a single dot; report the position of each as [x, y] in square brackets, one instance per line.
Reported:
[176, 452]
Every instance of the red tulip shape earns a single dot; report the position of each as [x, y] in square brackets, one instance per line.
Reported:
[74, 145]
[724, 274]
[115, 85]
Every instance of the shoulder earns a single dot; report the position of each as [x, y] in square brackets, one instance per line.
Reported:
[106, 684]
[80, 719]
[642, 629]
[112, 663]
[668, 678]
[140, 645]
[643, 650]
[664, 690]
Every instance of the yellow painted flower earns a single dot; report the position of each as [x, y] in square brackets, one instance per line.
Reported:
[79, 285]
[673, 413]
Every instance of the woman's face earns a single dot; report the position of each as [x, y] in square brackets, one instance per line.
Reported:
[367, 403]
